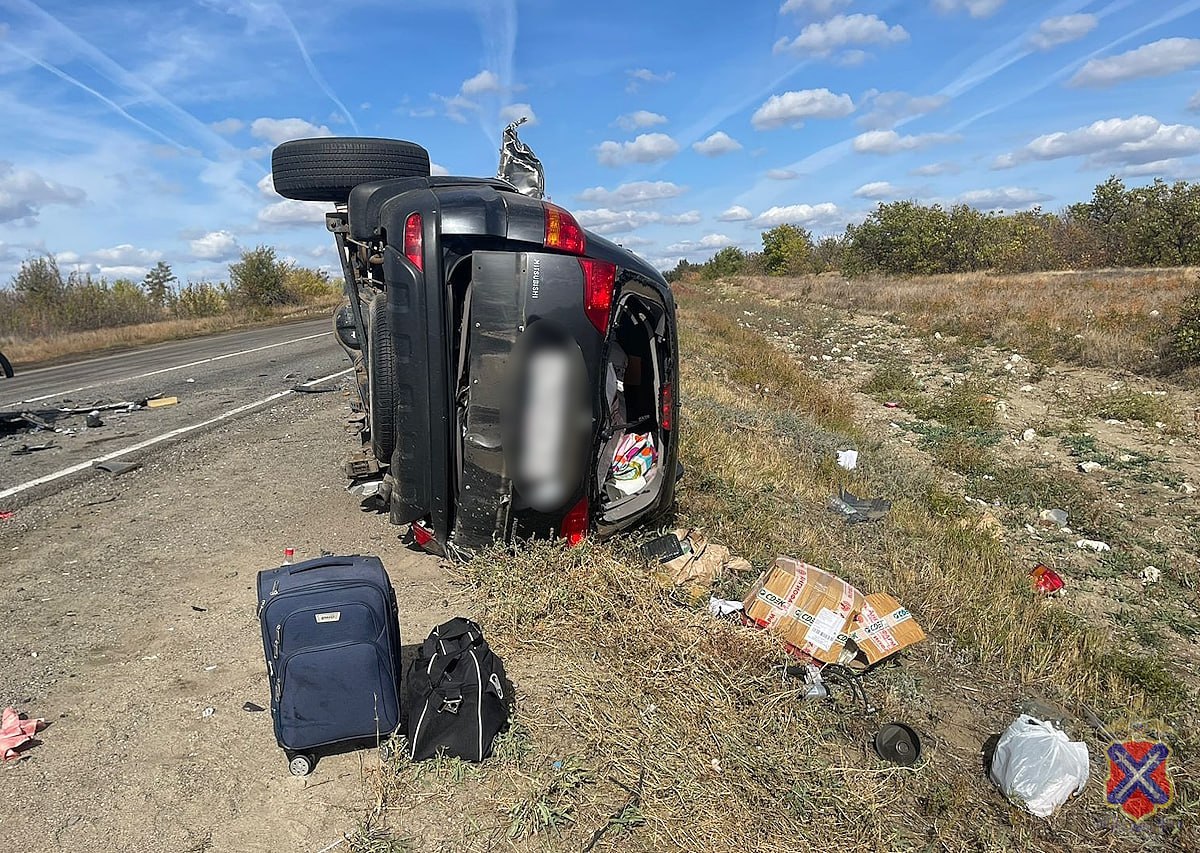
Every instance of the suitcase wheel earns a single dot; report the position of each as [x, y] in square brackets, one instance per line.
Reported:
[300, 764]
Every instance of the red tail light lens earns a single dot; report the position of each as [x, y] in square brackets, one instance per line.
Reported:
[414, 240]
[668, 397]
[562, 231]
[575, 523]
[421, 534]
[599, 280]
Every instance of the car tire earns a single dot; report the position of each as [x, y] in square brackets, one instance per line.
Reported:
[326, 169]
[6, 370]
[381, 380]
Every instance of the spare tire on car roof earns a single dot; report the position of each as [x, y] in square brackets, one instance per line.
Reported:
[327, 168]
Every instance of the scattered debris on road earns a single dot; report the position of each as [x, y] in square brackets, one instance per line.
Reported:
[1046, 580]
[824, 618]
[17, 733]
[898, 744]
[26, 449]
[116, 467]
[858, 510]
[1037, 767]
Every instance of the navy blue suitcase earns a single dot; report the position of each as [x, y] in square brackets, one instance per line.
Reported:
[332, 643]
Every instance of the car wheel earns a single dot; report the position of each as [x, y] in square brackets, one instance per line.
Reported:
[327, 169]
[381, 380]
[5, 367]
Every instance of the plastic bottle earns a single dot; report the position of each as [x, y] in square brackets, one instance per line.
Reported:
[289, 556]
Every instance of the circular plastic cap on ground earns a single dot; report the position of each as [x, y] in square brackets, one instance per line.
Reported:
[898, 744]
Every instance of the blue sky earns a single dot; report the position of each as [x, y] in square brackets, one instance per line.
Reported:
[139, 131]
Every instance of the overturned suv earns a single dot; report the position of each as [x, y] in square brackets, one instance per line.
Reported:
[517, 372]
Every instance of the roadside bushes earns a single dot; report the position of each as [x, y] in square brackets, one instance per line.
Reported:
[42, 301]
[1185, 339]
[1156, 225]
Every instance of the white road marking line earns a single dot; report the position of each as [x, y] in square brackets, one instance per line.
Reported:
[166, 436]
[176, 367]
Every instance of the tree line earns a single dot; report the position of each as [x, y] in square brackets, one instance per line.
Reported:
[1151, 226]
[42, 300]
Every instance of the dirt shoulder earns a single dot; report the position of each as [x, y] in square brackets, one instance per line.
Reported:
[130, 610]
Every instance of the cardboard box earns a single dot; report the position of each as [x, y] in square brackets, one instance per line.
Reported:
[882, 628]
[810, 609]
[823, 617]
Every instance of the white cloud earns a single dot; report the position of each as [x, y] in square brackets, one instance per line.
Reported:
[125, 254]
[878, 190]
[1114, 141]
[851, 58]
[216, 246]
[975, 8]
[293, 212]
[887, 109]
[514, 112]
[716, 145]
[737, 213]
[1009, 198]
[637, 192]
[707, 243]
[782, 174]
[437, 169]
[791, 108]
[1067, 28]
[266, 186]
[456, 108]
[1169, 141]
[277, 130]
[482, 83]
[638, 76]
[1171, 169]
[230, 126]
[890, 142]
[816, 8]
[639, 119]
[932, 169]
[822, 39]
[1194, 103]
[1156, 59]
[123, 261]
[24, 192]
[825, 213]
[646, 148]
[608, 221]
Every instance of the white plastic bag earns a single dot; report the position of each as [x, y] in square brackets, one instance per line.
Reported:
[1037, 766]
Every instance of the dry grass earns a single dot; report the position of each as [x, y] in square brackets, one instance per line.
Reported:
[26, 352]
[1103, 318]
[661, 728]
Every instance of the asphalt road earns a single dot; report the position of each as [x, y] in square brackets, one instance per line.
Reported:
[215, 378]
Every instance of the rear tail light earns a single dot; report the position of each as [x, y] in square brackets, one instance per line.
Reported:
[414, 241]
[668, 395]
[575, 523]
[562, 231]
[599, 278]
[422, 535]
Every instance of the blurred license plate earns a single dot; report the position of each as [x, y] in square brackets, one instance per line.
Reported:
[544, 422]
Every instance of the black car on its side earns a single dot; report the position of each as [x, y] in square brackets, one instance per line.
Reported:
[506, 357]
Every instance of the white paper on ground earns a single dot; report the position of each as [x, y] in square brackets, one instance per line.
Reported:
[848, 459]
[723, 606]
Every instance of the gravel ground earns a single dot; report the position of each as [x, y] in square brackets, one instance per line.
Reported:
[131, 610]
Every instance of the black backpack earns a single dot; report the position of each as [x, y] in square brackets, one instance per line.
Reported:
[458, 696]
